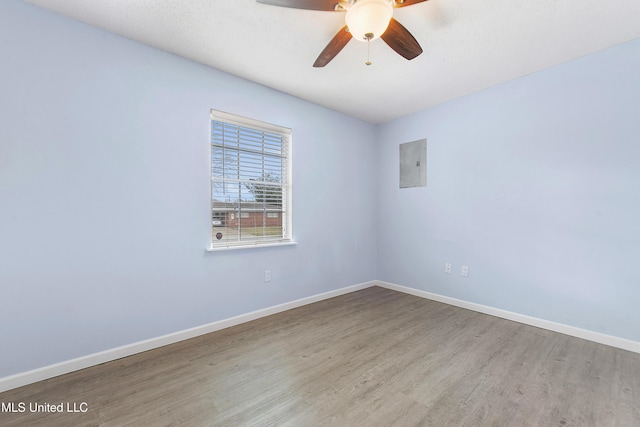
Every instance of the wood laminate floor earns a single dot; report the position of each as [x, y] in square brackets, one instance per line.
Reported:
[375, 357]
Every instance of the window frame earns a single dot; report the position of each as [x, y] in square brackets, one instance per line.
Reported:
[287, 209]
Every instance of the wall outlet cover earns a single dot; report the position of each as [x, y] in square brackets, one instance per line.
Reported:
[464, 271]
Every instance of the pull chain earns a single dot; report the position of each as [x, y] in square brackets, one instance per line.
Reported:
[368, 36]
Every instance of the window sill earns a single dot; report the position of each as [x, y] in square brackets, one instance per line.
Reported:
[254, 246]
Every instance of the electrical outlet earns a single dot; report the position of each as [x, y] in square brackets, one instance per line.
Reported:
[447, 268]
[267, 276]
[464, 271]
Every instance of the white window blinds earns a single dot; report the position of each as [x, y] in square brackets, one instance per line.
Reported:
[250, 181]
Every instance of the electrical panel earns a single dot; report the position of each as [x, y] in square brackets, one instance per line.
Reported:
[413, 164]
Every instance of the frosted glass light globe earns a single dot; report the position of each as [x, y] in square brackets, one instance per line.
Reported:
[369, 17]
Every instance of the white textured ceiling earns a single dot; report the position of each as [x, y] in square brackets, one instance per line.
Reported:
[468, 44]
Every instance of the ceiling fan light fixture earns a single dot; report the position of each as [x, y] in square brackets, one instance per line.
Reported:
[367, 17]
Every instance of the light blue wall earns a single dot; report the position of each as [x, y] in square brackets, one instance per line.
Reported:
[104, 194]
[535, 185]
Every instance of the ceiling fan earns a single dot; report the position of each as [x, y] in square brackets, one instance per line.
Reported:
[366, 20]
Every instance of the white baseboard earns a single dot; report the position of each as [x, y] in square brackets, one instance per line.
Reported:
[65, 367]
[30, 377]
[586, 334]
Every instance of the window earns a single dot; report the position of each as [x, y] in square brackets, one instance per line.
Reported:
[250, 182]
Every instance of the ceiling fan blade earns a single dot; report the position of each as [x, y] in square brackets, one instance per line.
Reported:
[303, 4]
[403, 3]
[336, 44]
[400, 39]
